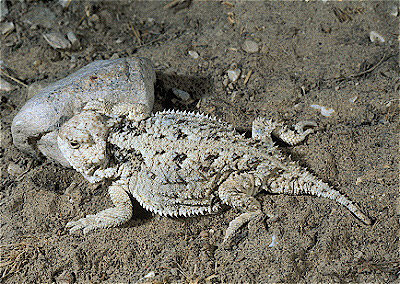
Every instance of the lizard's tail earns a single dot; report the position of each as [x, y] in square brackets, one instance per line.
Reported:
[305, 183]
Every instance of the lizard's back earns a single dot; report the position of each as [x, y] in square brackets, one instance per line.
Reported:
[185, 159]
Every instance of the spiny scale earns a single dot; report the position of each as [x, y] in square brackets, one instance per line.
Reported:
[188, 113]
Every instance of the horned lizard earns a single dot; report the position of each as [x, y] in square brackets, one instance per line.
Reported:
[178, 163]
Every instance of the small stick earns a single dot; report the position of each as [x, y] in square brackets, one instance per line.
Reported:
[14, 79]
[27, 170]
[247, 77]
[361, 73]
[171, 4]
[368, 70]
[228, 4]
[136, 33]
[231, 18]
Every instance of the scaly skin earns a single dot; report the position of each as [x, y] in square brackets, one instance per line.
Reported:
[184, 164]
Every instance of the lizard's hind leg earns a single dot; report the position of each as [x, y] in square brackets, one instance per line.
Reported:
[263, 128]
[238, 191]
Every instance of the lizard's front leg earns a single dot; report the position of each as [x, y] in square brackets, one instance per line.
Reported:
[110, 217]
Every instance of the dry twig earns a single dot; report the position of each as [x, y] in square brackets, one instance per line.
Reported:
[12, 78]
[247, 77]
[368, 70]
[231, 18]
[136, 33]
[230, 5]
[341, 15]
[172, 4]
[13, 257]
[178, 4]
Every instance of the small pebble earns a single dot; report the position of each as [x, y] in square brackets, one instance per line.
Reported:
[57, 40]
[324, 111]
[114, 56]
[94, 18]
[7, 27]
[374, 36]
[250, 46]
[14, 169]
[64, 3]
[73, 39]
[36, 63]
[273, 241]
[5, 86]
[353, 99]
[151, 274]
[3, 64]
[184, 96]
[394, 11]
[174, 271]
[40, 16]
[203, 234]
[357, 254]
[3, 9]
[234, 74]
[65, 277]
[193, 54]
[234, 96]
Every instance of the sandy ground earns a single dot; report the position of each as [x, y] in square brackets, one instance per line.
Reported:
[308, 53]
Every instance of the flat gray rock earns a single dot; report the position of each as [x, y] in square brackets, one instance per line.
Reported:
[35, 127]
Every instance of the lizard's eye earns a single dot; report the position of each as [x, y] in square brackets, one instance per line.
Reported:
[74, 144]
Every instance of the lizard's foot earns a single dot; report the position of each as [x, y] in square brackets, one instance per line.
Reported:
[88, 224]
[110, 217]
[298, 135]
[263, 129]
[237, 223]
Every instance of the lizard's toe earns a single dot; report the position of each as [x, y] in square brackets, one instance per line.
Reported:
[86, 224]
[74, 226]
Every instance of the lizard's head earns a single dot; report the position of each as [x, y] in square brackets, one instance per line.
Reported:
[82, 140]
